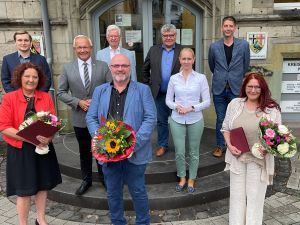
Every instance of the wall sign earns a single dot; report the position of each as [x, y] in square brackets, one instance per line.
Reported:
[290, 106]
[258, 43]
[290, 87]
[291, 66]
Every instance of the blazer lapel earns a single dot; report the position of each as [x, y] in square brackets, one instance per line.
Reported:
[234, 52]
[76, 74]
[105, 101]
[222, 53]
[107, 55]
[175, 57]
[129, 99]
[93, 77]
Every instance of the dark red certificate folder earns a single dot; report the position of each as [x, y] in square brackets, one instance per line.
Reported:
[37, 128]
[239, 140]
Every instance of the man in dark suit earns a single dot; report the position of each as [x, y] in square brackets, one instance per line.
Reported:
[228, 59]
[161, 62]
[23, 41]
[76, 86]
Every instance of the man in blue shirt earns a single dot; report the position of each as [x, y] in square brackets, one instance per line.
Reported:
[23, 42]
[161, 62]
[228, 60]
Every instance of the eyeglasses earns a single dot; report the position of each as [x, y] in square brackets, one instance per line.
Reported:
[122, 66]
[84, 48]
[256, 88]
[113, 36]
[168, 35]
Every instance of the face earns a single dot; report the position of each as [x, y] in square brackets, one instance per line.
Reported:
[83, 48]
[186, 60]
[169, 38]
[30, 80]
[120, 69]
[253, 90]
[113, 39]
[23, 43]
[228, 28]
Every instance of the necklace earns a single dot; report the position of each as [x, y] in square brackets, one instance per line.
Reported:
[27, 98]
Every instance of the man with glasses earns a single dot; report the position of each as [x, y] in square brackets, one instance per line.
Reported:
[75, 88]
[113, 36]
[161, 62]
[132, 103]
[228, 59]
[23, 41]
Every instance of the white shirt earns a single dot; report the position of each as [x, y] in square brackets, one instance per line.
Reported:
[114, 52]
[191, 92]
[81, 69]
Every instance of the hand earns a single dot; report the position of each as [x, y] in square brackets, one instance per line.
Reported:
[84, 104]
[183, 110]
[44, 141]
[262, 151]
[234, 150]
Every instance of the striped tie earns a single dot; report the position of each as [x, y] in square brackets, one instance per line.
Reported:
[87, 82]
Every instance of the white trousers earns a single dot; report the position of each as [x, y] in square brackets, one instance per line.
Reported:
[247, 195]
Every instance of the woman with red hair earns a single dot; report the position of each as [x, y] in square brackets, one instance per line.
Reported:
[249, 176]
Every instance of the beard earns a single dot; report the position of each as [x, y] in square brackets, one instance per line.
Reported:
[120, 78]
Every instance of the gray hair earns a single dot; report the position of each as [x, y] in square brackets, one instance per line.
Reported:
[167, 28]
[112, 27]
[82, 36]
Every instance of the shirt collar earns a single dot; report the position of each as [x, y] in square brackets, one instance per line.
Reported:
[19, 55]
[164, 46]
[80, 62]
[117, 49]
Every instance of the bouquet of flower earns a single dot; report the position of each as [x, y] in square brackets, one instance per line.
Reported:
[114, 141]
[45, 117]
[275, 139]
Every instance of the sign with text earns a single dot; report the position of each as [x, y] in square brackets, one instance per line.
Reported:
[290, 87]
[258, 43]
[290, 106]
[291, 66]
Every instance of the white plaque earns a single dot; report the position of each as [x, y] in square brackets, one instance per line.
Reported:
[178, 36]
[133, 36]
[123, 20]
[186, 36]
[290, 87]
[258, 43]
[290, 106]
[291, 66]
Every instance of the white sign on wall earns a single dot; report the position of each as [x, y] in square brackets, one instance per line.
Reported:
[258, 43]
[290, 87]
[291, 66]
[290, 106]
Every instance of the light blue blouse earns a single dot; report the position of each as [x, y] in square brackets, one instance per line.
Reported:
[191, 92]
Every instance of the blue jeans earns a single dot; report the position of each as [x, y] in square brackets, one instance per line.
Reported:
[163, 113]
[115, 175]
[221, 102]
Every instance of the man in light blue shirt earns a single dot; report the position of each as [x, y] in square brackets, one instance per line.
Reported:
[113, 36]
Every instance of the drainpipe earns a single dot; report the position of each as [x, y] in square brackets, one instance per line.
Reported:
[48, 41]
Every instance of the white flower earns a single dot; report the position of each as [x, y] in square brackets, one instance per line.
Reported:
[255, 151]
[283, 129]
[283, 148]
[41, 114]
[290, 154]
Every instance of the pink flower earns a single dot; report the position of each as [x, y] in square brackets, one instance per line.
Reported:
[269, 142]
[53, 118]
[270, 133]
[264, 123]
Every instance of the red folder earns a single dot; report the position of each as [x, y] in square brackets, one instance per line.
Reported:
[37, 128]
[238, 139]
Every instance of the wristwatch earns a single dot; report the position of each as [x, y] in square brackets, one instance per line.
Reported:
[193, 108]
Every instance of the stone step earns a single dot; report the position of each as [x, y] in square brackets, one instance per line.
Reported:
[161, 196]
[160, 169]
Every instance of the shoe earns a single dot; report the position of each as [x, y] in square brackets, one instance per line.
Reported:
[180, 188]
[36, 222]
[190, 189]
[83, 188]
[161, 151]
[218, 152]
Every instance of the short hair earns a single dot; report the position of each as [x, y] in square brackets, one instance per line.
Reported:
[82, 36]
[22, 32]
[265, 100]
[168, 28]
[188, 50]
[19, 71]
[230, 18]
[112, 27]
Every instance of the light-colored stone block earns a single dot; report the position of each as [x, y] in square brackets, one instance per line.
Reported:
[262, 3]
[14, 10]
[243, 7]
[259, 11]
[3, 14]
[32, 10]
[296, 31]
[60, 35]
[2, 37]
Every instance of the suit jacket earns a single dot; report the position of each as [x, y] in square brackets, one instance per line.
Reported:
[11, 61]
[104, 55]
[152, 67]
[71, 89]
[234, 72]
[139, 113]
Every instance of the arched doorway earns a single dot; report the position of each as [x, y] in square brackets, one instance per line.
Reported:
[140, 22]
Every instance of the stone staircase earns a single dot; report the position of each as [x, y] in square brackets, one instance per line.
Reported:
[212, 183]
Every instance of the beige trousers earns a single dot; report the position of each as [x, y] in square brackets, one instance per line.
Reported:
[247, 195]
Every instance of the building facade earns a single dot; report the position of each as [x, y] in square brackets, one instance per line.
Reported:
[273, 32]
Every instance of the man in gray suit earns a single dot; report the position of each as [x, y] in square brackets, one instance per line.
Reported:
[113, 36]
[228, 60]
[76, 86]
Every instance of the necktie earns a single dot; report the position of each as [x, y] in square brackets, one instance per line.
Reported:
[87, 82]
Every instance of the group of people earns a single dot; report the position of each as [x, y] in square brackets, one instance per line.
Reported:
[173, 95]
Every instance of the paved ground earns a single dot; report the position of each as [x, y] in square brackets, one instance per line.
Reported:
[281, 207]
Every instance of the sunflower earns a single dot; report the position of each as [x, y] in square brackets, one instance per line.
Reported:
[112, 145]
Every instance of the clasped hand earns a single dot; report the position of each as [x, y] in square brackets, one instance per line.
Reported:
[183, 110]
[44, 141]
[84, 104]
